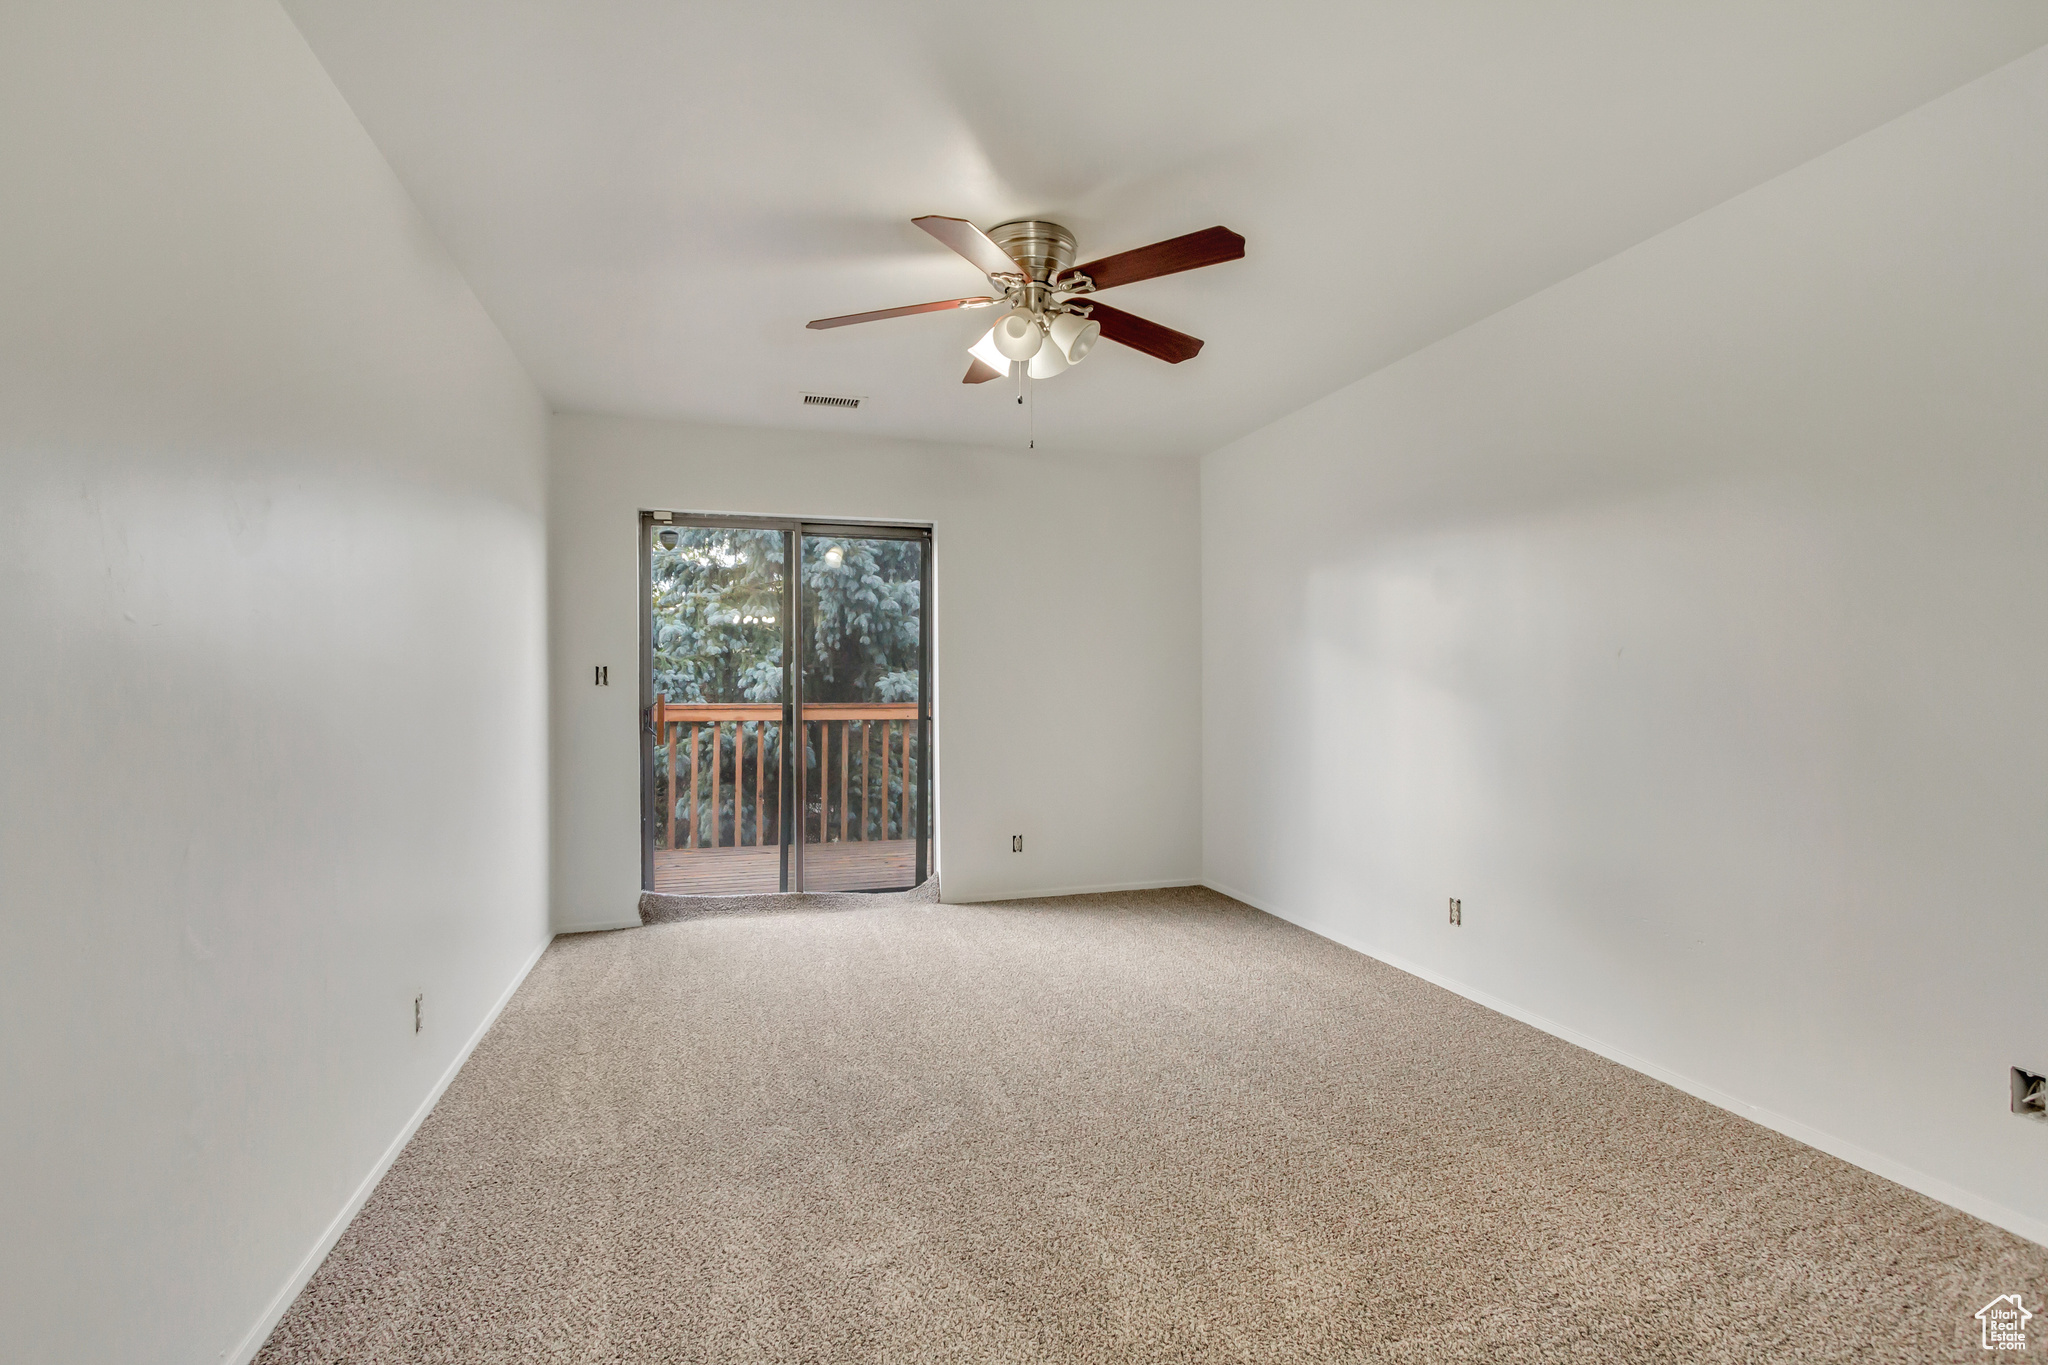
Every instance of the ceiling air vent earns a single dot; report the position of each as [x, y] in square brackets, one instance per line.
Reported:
[826, 400]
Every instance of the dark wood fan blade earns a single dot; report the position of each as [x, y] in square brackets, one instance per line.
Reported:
[1142, 335]
[971, 242]
[1210, 246]
[979, 372]
[849, 319]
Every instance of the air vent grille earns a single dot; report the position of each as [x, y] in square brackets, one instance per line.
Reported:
[826, 400]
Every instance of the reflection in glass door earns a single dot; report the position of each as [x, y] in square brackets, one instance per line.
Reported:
[737, 796]
[862, 691]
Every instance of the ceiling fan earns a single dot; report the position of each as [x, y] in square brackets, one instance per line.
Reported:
[1053, 319]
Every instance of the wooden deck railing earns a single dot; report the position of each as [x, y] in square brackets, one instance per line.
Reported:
[860, 762]
[881, 730]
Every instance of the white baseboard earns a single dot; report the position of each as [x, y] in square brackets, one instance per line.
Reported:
[599, 926]
[1072, 891]
[250, 1344]
[2033, 1229]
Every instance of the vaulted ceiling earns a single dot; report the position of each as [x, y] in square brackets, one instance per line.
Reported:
[653, 197]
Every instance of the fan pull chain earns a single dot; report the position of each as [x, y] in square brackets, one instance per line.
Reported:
[1030, 408]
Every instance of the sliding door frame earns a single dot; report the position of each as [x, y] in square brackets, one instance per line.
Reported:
[793, 772]
[647, 735]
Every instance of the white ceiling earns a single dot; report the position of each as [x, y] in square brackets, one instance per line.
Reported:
[652, 197]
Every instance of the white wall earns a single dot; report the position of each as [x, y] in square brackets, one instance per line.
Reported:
[272, 690]
[1065, 624]
[1689, 621]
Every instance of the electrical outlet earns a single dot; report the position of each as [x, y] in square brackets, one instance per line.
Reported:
[601, 675]
[1016, 843]
[2029, 1095]
[418, 1012]
[1457, 911]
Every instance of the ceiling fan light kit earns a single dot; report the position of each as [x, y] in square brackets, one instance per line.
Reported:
[1074, 335]
[994, 361]
[1018, 335]
[1030, 263]
[1049, 361]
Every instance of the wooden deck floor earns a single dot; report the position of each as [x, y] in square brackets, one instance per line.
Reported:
[872, 866]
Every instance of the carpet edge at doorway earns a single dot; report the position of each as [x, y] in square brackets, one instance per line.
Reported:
[657, 907]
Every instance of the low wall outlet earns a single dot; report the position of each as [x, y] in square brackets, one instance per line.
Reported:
[1457, 911]
[1016, 843]
[418, 1011]
[2029, 1095]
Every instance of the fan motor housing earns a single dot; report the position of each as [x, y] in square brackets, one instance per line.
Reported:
[1042, 248]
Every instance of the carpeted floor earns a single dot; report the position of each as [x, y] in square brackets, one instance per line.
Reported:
[1158, 1126]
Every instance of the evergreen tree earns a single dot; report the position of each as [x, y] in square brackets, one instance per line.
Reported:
[717, 617]
[861, 604]
[717, 607]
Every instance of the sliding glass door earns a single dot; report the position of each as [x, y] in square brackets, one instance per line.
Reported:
[712, 779]
[862, 690]
[786, 723]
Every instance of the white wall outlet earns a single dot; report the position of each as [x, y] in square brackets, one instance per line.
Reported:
[419, 1010]
[2029, 1095]
[1457, 911]
[1016, 843]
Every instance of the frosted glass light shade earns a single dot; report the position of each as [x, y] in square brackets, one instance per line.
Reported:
[1017, 335]
[985, 351]
[1075, 336]
[1047, 363]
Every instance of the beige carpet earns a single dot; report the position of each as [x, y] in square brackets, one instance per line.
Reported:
[1148, 1127]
